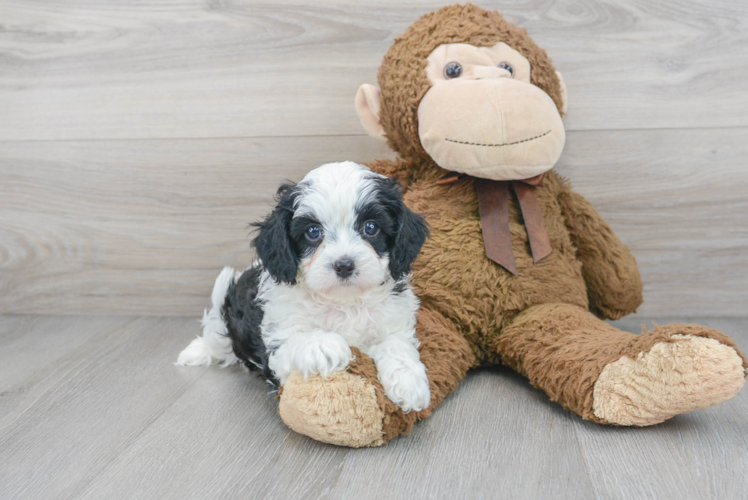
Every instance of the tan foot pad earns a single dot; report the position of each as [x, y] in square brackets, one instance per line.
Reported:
[340, 410]
[672, 378]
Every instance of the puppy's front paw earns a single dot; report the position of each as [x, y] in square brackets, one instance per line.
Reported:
[407, 387]
[321, 352]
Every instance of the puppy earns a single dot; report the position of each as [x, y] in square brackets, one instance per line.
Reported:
[333, 272]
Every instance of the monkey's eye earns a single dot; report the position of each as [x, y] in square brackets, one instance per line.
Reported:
[452, 70]
[313, 233]
[371, 229]
[505, 65]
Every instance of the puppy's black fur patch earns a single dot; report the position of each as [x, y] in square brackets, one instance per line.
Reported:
[273, 243]
[243, 315]
[303, 246]
[402, 231]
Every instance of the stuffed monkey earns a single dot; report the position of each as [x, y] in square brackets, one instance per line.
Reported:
[519, 269]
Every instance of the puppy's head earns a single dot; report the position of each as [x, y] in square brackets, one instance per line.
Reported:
[341, 231]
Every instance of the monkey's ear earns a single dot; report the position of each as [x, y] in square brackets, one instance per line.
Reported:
[368, 99]
[564, 96]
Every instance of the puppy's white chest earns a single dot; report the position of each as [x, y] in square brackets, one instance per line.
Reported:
[358, 325]
[290, 310]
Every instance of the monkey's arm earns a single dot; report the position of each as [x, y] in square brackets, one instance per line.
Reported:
[393, 168]
[613, 282]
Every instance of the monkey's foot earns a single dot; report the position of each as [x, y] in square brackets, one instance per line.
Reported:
[684, 372]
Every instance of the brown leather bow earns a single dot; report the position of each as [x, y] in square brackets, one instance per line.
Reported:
[493, 200]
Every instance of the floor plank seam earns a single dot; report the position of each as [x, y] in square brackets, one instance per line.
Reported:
[577, 426]
[78, 363]
[130, 442]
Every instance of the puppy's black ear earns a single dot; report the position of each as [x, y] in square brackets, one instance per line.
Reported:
[273, 242]
[412, 233]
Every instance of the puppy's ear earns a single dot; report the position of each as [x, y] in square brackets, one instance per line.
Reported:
[412, 233]
[273, 242]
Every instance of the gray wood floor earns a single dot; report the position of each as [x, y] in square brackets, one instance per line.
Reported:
[92, 407]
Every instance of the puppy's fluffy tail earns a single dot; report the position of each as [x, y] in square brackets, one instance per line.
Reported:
[214, 347]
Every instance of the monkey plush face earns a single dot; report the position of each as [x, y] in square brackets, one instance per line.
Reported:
[471, 92]
[483, 117]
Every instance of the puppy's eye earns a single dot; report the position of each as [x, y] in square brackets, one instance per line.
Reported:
[371, 229]
[452, 70]
[505, 65]
[313, 233]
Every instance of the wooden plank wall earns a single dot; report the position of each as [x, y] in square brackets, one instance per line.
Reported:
[137, 139]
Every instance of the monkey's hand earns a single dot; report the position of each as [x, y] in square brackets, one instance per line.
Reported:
[350, 407]
[346, 409]
[613, 282]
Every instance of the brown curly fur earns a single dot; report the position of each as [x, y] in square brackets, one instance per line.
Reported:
[563, 349]
[545, 321]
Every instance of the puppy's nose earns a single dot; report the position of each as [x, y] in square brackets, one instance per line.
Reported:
[344, 267]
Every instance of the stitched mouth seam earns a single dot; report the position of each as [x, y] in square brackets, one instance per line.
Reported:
[499, 145]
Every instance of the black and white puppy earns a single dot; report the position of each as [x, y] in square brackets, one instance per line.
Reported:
[333, 272]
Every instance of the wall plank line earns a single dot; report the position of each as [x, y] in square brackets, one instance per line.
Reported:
[247, 68]
[142, 227]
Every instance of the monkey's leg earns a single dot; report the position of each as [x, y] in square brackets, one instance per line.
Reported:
[614, 377]
[350, 409]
